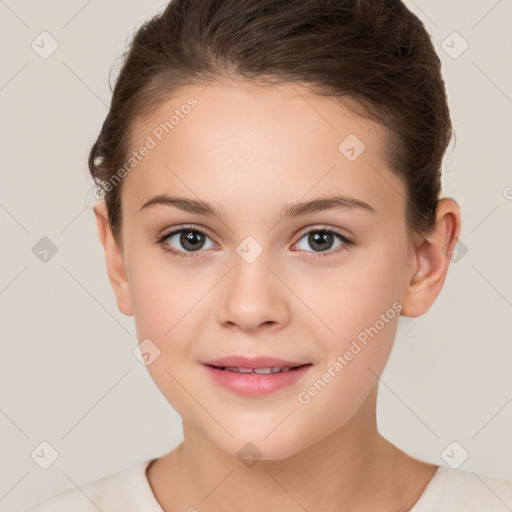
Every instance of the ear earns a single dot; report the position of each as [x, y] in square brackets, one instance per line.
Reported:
[431, 259]
[114, 260]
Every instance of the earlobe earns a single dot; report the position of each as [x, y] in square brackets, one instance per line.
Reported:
[114, 260]
[432, 258]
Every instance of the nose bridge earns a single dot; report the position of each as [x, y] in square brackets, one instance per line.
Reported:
[252, 295]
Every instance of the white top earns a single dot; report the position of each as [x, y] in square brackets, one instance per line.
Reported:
[450, 490]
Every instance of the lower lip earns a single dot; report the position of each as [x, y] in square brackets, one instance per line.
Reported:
[250, 384]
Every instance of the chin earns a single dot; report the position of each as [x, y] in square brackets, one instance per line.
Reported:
[252, 448]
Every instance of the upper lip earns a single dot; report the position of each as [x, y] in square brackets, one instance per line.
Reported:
[253, 362]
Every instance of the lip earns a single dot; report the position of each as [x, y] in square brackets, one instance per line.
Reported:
[250, 384]
[253, 362]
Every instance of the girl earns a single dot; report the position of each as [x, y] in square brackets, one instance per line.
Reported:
[272, 206]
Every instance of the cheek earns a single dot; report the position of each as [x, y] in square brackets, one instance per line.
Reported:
[165, 295]
[354, 295]
[360, 311]
[353, 359]
[165, 300]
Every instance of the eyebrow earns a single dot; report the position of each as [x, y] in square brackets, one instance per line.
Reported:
[290, 209]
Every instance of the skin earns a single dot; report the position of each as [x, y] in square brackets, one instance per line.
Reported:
[249, 150]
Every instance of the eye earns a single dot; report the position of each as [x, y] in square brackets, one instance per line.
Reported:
[322, 240]
[189, 241]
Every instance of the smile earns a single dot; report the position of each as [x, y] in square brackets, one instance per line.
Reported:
[258, 371]
[256, 382]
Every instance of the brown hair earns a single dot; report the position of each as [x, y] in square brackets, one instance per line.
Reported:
[376, 52]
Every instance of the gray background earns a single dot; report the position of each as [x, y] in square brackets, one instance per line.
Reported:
[69, 376]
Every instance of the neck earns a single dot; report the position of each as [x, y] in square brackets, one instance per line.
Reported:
[354, 466]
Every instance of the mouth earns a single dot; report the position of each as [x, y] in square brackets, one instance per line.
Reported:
[256, 381]
[259, 371]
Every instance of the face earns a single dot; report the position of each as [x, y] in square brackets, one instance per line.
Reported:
[320, 286]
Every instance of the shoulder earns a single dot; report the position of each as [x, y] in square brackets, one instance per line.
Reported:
[454, 490]
[125, 491]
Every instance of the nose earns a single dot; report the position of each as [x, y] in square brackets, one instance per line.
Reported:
[253, 297]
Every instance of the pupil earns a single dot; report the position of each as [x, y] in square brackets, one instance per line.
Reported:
[192, 240]
[323, 239]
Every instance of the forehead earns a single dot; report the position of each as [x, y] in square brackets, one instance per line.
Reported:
[238, 142]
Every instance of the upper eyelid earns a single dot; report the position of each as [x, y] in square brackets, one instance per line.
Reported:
[323, 227]
[179, 229]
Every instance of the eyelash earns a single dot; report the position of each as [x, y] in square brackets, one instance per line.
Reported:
[347, 242]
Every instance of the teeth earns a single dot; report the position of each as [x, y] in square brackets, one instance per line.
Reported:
[258, 371]
[262, 371]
